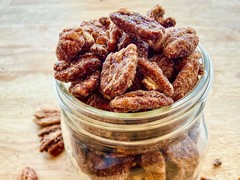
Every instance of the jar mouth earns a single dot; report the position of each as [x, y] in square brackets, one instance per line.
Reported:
[197, 94]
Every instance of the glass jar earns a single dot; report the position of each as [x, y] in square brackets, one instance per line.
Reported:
[166, 143]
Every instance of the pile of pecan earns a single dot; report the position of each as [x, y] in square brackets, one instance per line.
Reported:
[51, 133]
[129, 62]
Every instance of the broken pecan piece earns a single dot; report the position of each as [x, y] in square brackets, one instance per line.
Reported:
[85, 65]
[153, 72]
[114, 34]
[187, 77]
[47, 116]
[28, 174]
[140, 100]
[137, 25]
[72, 42]
[85, 87]
[118, 71]
[180, 42]
[157, 13]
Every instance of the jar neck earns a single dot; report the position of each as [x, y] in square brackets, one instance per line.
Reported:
[159, 123]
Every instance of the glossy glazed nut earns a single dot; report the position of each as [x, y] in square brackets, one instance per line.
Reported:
[157, 13]
[97, 101]
[85, 87]
[137, 25]
[182, 155]
[28, 174]
[180, 42]
[47, 116]
[72, 42]
[154, 163]
[166, 65]
[155, 77]
[118, 71]
[140, 100]
[187, 78]
[84, 65]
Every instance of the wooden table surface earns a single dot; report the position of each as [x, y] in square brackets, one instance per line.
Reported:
[28, 36]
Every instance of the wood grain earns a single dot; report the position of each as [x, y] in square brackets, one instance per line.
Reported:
[28, 36]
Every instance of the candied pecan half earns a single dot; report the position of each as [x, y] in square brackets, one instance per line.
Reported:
[154, 162]
[142, 49]
[166, 65]
[28, 174]
[140, 100]
[114, 34]
[48, 129]
[97, 101]
[137, 25]
[184, 155]
[118, 71]
[96, 28]
[85, 65]
[85, 87]
[47, 116]
[72, 42]
[152, 72]
[157, 13]
[100, 47]
[187, 78]
[180, 42]
[108, 167]
[52, 143]
[124, 41]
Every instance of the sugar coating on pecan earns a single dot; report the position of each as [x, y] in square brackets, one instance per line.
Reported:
[180, 42]
[154, 72]
[97, 101]
[157, 13]
[166, 65]
[154, 162]
[47, 116]
[118, 71]
[137, 25]
[28, 174]
[184, 154]
[72, 42]
[84, 65]
[187, 78]
[140, 100]
[85, 87]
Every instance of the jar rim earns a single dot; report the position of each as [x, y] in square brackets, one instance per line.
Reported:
[200, 91]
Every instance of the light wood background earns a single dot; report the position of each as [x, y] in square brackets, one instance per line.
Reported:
[28, 36]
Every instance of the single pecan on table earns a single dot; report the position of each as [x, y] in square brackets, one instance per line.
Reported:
[28, 174]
